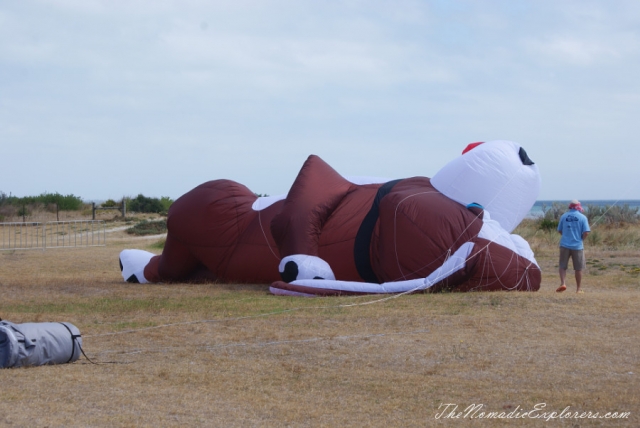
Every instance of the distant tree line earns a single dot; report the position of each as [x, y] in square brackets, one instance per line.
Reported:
[57, 201]
[142, 204]
[605, 214]
[63, 202]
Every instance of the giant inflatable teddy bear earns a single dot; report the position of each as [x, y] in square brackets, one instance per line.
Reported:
[333, 236]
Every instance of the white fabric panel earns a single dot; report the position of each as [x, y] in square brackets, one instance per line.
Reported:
[309, 267]
[493, 176]
[453, 264]
[494, 232]
[362, 287]
[134, 262]
[265, 201]
[365, 179]
[523, 248]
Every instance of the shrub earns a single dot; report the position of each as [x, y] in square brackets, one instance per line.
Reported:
[553, 212]
[7, 211]
[612, 214]
[110, 203]
[146, 227]
[144, 204]
[64, 202]
[23, 211]
[166, 203]
[551, 215]
[548, 224]
[594, 238]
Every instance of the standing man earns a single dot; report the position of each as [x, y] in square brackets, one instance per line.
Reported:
[574, 228]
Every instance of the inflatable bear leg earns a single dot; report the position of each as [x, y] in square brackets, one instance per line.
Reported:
[175, 264]
[132, 264]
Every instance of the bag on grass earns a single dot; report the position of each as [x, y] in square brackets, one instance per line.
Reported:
[37, 344]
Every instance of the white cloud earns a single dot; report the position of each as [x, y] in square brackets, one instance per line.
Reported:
[573, 50]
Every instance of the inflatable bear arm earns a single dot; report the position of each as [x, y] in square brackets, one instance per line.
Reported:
[314, 195]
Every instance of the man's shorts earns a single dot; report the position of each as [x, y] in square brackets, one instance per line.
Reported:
[577, 256]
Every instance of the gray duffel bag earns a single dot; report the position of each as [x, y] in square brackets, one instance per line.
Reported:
[37, 344]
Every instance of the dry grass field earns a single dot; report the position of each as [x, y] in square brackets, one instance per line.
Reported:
[232, 355]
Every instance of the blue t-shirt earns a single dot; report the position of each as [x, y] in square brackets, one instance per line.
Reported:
[572, 225]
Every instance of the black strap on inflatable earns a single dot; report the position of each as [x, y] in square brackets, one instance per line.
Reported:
[74, 340]
[85, 355]
[361, 247]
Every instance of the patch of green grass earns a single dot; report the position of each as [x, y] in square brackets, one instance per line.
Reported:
[599, 266]
[158, 245]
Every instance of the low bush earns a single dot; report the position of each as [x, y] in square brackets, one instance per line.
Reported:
[612, 214]
[110, 203]
[146, 227]
[551, 214]
[548, 224]
[145, 204]
[166, 203]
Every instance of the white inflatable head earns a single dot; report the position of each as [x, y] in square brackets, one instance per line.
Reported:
[497, 175]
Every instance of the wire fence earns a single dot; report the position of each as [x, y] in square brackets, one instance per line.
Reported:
[52, 234]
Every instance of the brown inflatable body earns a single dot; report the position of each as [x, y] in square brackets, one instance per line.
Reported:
[373, 233]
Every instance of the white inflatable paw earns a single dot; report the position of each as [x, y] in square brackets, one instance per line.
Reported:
[132, 264]
[302, 266]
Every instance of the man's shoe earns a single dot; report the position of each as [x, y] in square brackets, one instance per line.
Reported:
[561, 288]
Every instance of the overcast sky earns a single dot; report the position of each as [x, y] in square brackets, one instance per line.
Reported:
[103, 99]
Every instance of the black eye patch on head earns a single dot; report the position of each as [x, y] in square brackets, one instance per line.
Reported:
[524, 157]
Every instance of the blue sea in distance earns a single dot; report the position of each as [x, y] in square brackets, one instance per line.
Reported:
[537, 209]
